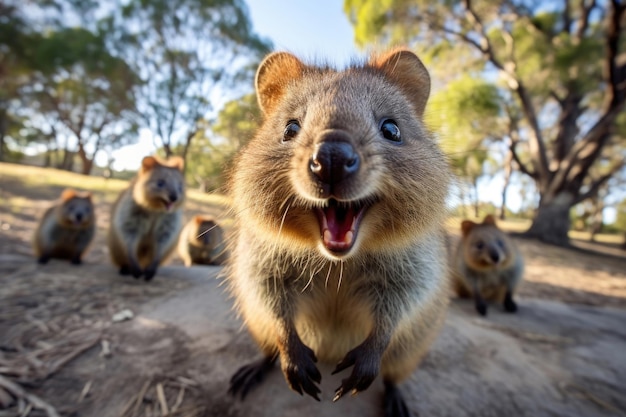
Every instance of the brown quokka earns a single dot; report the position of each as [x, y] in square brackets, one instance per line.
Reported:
[66, 229]
[202, 242]
[487, 265]
[339, 199]
[147, 217]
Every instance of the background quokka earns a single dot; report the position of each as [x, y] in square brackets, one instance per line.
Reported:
[339, 201]
[147, 217]
[487, 265]
[202, 242]
[66, 229]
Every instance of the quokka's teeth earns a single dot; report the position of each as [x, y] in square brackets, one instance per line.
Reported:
[348, 237]
[328, 236]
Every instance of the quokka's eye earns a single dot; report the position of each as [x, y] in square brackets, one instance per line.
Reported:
[160, 183]
[291, 130]
[390, 130]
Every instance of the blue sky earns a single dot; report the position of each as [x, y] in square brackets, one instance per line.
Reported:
[309, 29]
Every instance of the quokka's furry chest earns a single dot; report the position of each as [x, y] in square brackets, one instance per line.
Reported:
[68, 236]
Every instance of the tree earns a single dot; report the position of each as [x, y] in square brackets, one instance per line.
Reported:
[213, 149]
[186, 52]
[14, 64]
[60, 83]
[562, 66]
[465, 114]
[89, 93]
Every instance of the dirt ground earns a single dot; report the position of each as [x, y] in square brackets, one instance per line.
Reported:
[65, 349]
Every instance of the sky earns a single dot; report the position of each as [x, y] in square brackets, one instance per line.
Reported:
[309, 29]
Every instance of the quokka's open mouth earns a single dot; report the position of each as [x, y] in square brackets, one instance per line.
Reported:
[167, 204]
[339, 224]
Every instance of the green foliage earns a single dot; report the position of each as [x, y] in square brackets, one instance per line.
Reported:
[238, 120]
[620, 219]
[212, 150]
[465, 115]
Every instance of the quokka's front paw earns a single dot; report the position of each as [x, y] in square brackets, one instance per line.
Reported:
[481, 307]
[509, 305]
[301, 373]
[366, 362]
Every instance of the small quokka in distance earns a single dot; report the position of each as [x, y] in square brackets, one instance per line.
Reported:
[339, 199]
[202, 242]
[66, 229]
[147, 217]
[487, 265]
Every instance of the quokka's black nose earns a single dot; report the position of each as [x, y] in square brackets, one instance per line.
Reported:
[334, 161]
[495, 256]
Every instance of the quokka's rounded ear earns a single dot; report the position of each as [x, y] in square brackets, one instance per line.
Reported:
[273, 76]
[489, 219]
[403, 68]
[68, 194]
[176, 162]
[467, 226]
[148, 163]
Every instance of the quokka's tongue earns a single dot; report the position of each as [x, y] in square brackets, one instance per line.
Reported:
[338, 226]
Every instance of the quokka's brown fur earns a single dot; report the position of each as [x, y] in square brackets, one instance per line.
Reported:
[487, 265]
[66, 229]
[147, 217]
[339, 199]
[202, 242]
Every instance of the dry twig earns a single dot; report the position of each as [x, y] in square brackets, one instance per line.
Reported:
[33, 400]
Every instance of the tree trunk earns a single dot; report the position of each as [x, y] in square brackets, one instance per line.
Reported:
[476, 203]
[552, 222]
[87, 166]
[508, 170]
[188, 140]
[3, 130]
[596, 218]
[87, 163]
[463, 212]
[67, 163]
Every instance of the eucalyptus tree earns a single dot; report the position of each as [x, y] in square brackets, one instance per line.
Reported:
[88, 93]
[213, 149]
[562, 64]
[60, 80]
[189, 54]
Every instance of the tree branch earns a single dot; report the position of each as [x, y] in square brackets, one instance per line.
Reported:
[583, 22]
[614, 73]
[512, 147]
[597, 184]
[536, 142]
[597, 136]
[567, 17]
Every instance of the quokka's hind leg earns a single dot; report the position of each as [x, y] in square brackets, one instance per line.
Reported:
[393, 402]
[480, 304]
[510, 305]
[251, 375]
